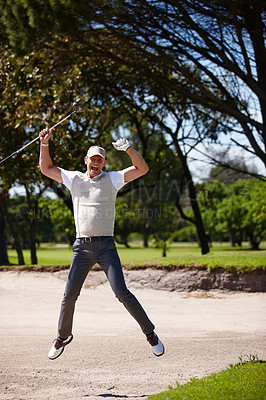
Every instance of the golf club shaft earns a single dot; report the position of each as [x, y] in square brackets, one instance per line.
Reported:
[34, 140]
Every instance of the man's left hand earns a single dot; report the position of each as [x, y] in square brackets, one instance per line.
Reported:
[121, 144]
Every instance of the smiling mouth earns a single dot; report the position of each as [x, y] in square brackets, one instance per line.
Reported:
[94, 168]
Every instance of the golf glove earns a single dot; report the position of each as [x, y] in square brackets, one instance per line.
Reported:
[121, 144]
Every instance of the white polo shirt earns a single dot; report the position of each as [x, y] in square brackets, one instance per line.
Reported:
[93, 200]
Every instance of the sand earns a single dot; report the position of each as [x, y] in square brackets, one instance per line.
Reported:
[109, 358]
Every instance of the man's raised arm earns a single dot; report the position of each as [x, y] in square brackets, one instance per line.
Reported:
[45, 161]
[139, 166]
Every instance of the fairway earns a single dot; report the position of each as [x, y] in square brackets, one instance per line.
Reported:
[180, 254]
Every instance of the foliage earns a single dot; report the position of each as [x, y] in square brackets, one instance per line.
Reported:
[19, 214]
[149, 197]
[164, 228]
[184, 72]
[124, 223]
[63, 226]
[239, 169]
[212, 54]
[254, 219]
[37, 90]
[54, 221]
[237, 210]
[115, 89]
[186, 234]
[35, 94]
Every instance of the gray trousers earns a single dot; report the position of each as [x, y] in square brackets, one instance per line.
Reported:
[85, 255]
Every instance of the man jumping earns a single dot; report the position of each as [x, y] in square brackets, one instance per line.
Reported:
[94, 195]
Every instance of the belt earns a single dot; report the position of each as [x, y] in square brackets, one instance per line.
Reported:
[94, 238]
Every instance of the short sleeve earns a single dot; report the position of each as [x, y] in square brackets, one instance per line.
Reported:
[67, 177]
[117, 179]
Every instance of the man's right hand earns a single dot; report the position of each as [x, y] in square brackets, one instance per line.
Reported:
[45, 135]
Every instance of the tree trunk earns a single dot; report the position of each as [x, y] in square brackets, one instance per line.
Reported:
[197, 214]
[145, 235]
[232, 239]
[17, 244]
[122, 240]
[33, 252]
[254, 244]
[203, 239]
[164, 249]
[3, 246]
[33, 201]
[67, 199]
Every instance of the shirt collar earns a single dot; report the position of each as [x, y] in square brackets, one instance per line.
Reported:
[96, 178]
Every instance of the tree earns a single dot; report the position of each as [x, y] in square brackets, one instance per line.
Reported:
[228, 175]
[224, 40]
[125, 223]
[196, 52]
[230, 214]
[136, 102]
[31, 88]
[148, 197]
[254, 219]
[210, 197]
[4, 200]
[17, 76]
[236, 210]
[62, 220]
[164, 228]
[3, 244]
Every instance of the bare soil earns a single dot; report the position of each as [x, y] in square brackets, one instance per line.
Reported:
[109, 358]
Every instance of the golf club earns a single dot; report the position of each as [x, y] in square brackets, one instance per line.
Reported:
[74, 106]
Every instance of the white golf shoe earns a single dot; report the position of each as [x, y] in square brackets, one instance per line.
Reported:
[156, 345]
[58, 347]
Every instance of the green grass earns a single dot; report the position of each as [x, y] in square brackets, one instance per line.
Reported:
[189, 254]
[179, 254]
[48, 254]
[245, 381]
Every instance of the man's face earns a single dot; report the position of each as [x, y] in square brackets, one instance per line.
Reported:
[94, 165]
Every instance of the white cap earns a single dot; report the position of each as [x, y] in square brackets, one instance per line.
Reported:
[96, 151]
